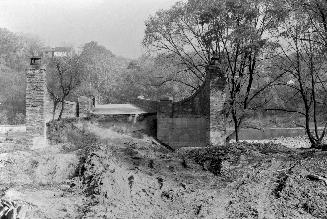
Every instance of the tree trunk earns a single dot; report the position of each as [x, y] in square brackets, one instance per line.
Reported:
[61, 110]
[55, 104]
[236, 126]
[307, 129]
[237, 134]
[229, 137]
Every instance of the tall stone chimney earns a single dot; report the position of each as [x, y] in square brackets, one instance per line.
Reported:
[217, 80]
[35, 104]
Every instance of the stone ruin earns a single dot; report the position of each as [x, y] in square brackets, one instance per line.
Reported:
[35, 107]
[196, 121]
[39, 107]
[191, 122]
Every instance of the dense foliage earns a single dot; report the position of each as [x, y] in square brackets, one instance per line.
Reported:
[15, 51]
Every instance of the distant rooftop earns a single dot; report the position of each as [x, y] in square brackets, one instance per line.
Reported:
[58, 51]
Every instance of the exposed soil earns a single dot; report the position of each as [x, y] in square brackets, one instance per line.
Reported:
[106, 174]
[40, 180]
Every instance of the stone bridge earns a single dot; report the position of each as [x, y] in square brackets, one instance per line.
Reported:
[187, 123]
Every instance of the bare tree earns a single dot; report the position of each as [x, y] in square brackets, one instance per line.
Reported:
[304, 62]
[62, 78]
[236, 31]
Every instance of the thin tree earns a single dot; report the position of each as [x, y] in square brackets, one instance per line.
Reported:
[304, 62]
[62, 78]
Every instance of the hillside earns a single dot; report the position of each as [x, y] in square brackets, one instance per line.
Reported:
[94, 172]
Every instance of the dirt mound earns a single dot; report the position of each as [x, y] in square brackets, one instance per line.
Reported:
[46, 202]
[56, 168]
[40, 181]
[298, 192]
[270, 181]
[129, 190]
[93, 172]
[237, 181]
[17, 167]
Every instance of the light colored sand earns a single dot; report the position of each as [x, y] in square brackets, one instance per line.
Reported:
[290, 142]
[12, 128]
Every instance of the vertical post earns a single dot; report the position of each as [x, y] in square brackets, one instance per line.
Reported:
[77, 109]
[166, 107]
[164, 120]
[216, 81]
[35, 104]
[93, 101]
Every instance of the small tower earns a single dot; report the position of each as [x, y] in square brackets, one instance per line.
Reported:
[35, 104]
[217, 80]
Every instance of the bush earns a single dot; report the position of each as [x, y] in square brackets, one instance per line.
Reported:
[19, 119]
[3, 118]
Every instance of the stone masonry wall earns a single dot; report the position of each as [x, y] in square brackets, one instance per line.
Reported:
[69, 109]
[81, 108]
[35, 110]
[147, 105]
[186, 123]
[85, 106]
[197, 121]
[183, 131]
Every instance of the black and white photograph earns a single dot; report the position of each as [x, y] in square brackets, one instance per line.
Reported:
[163, 109]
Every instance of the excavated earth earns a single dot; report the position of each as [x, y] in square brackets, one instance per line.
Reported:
[92, 171]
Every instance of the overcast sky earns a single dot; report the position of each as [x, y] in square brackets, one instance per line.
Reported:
[116, 24]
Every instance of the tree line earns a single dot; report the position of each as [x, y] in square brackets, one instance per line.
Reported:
[15, 51]
[95, 71]
[266, 49]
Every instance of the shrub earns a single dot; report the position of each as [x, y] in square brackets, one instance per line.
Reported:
[3, 118]
[19, 119]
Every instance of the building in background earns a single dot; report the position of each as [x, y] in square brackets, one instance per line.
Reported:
[58, 52]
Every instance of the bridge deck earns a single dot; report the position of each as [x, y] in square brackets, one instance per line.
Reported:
[118, 109]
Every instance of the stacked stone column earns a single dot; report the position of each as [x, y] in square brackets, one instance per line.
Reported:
[217, 98]
[35, 104]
